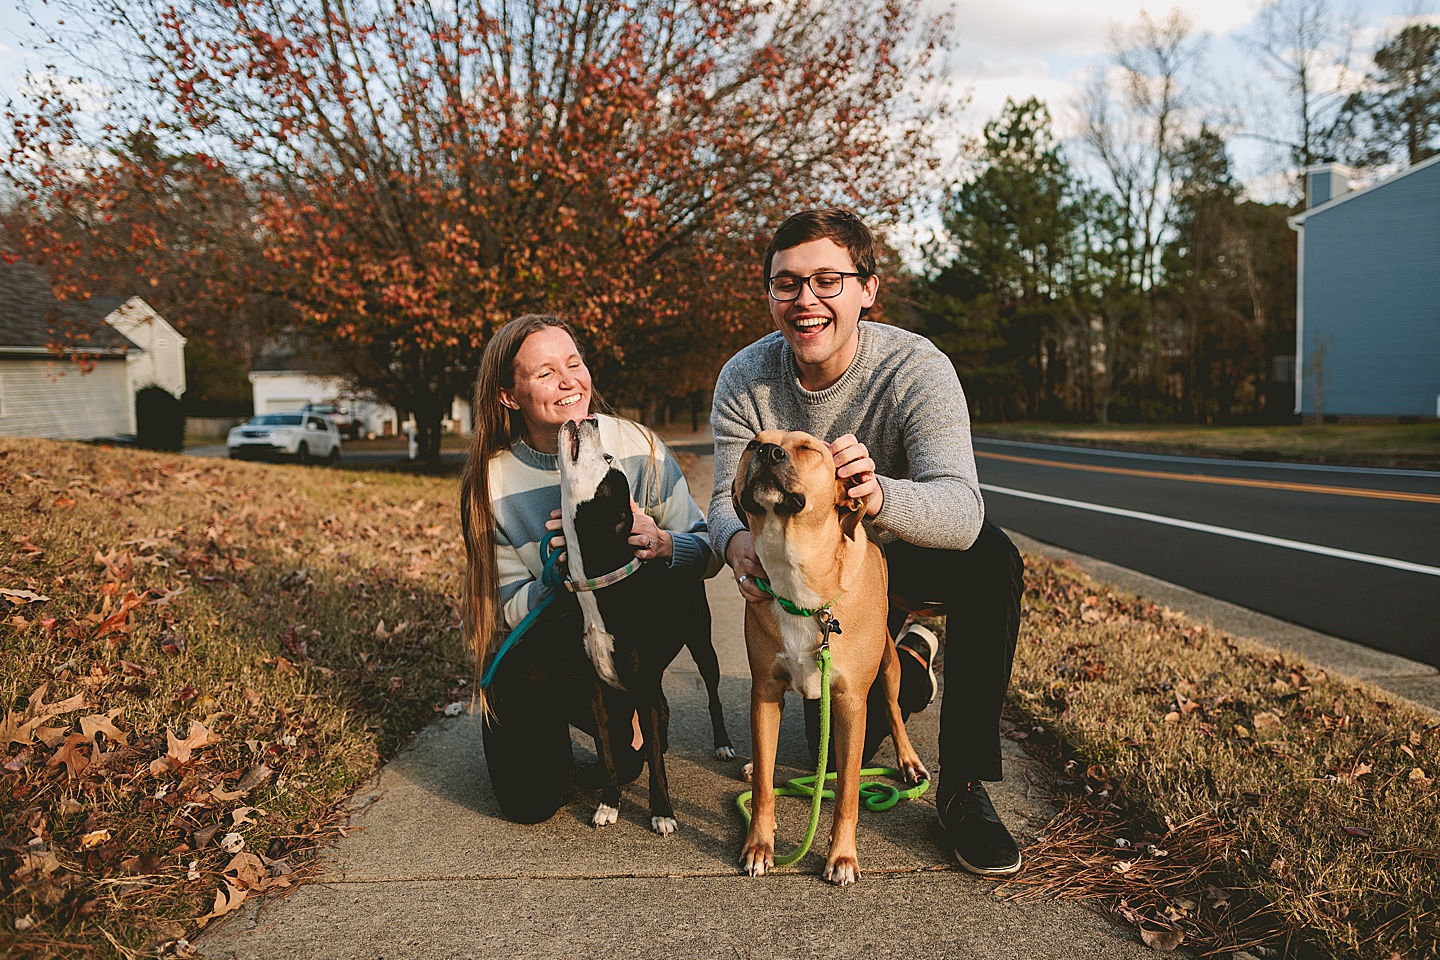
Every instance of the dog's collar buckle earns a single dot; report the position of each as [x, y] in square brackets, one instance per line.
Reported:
[829, 624]
[600, 583]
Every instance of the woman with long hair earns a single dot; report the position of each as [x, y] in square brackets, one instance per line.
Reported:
[533, 379]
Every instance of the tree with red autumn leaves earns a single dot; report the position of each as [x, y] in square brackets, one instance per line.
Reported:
[423, 173]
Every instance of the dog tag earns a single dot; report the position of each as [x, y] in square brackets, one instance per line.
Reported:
[828, 624]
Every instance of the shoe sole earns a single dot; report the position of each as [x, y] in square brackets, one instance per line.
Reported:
[932, 644]
[991, 871]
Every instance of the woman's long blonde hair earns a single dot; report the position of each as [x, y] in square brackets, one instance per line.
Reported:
[496, 428]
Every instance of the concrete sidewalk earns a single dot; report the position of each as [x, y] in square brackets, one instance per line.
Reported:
[431, 871]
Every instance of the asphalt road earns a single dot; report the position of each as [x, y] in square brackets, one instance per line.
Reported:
[1349, 551]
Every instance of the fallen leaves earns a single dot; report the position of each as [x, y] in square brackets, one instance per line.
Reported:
[70, 755]
[21, 597]
[23, 728]
[118, 619]
[179, 750]
[132, 610]
[246, 873]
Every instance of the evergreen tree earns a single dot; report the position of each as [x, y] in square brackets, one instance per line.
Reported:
[997, 306]
[1396, 117]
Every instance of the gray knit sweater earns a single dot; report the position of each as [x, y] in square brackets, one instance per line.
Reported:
[900, 397]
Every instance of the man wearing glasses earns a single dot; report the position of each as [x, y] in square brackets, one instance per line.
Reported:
[890, 405]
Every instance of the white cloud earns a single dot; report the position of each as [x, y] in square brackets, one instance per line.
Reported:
[1078, 29]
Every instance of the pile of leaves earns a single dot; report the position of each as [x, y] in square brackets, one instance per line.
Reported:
[201, 660]
[1221, 794]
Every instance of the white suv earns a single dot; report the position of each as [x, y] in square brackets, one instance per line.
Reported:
[293, 436]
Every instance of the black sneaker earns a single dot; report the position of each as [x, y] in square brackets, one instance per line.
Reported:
[978, 837]
[921, 645]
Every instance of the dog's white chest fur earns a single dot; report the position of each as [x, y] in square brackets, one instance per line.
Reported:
[578, 483]
[799, 636]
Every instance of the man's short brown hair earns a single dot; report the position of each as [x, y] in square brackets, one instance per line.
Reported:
[840, 226]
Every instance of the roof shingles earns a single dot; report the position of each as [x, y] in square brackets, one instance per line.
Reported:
[31, 317]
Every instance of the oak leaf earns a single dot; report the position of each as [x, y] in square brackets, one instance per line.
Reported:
[1162, 940]
[179, 750]
[103, 723]
[227, 900]
[70, 755]
[119, 619]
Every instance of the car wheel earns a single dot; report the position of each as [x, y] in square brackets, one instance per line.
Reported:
[334, 457]
[302, 452]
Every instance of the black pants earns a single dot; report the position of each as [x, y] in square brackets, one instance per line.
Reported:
[542, 687]
[978, 591]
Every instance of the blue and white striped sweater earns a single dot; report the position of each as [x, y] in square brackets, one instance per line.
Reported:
[525, 489]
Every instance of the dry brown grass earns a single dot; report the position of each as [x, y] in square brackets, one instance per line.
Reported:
[1415, 444]
[1297, 811]
[245, 599]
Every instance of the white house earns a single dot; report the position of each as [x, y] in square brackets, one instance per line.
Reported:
[277, 391]
[281, 384]
[160, 362]
[66, 371]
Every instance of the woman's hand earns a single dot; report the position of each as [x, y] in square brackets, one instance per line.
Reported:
[649, 541]
[853, 464]
[555, 523]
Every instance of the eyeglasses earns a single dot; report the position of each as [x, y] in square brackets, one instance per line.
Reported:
[830, 283]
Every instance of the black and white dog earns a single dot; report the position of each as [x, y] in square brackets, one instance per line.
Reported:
[636, 617]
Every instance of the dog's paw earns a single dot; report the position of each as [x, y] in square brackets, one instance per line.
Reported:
[756, 859]
[748, 771]
[725, 753]
[604, 815]
[663, 825]
[842, 871]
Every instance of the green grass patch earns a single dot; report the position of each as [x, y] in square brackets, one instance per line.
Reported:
[1415, 444]
[224, 652]
[1224, 793]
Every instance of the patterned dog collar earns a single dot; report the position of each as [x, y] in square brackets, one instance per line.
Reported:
[600, 583]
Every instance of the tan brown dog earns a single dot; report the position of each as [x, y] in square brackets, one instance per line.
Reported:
[815, 551]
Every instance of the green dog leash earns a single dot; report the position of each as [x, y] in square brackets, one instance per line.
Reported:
[876, 795]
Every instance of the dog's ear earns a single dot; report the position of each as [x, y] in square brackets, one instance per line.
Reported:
[741, 468]
[624, 523]
[851, 512]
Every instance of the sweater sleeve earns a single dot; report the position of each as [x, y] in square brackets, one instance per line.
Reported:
[520, 591]
[940, 504]
[734, 424]
[680, 516]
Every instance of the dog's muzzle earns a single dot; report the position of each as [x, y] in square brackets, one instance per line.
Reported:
[766, 468]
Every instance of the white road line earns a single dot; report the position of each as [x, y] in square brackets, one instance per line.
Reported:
[1212, 461]
[1218, 531]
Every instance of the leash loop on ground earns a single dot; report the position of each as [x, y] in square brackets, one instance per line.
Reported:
[876, 796]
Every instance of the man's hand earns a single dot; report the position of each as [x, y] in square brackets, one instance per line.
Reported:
[740, 554]
[853, 464]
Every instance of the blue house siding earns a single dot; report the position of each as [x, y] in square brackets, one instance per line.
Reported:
[1370, 300]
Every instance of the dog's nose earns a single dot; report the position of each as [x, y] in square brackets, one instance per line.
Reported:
[771, 453]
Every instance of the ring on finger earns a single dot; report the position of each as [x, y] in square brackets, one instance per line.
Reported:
[649, 542]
